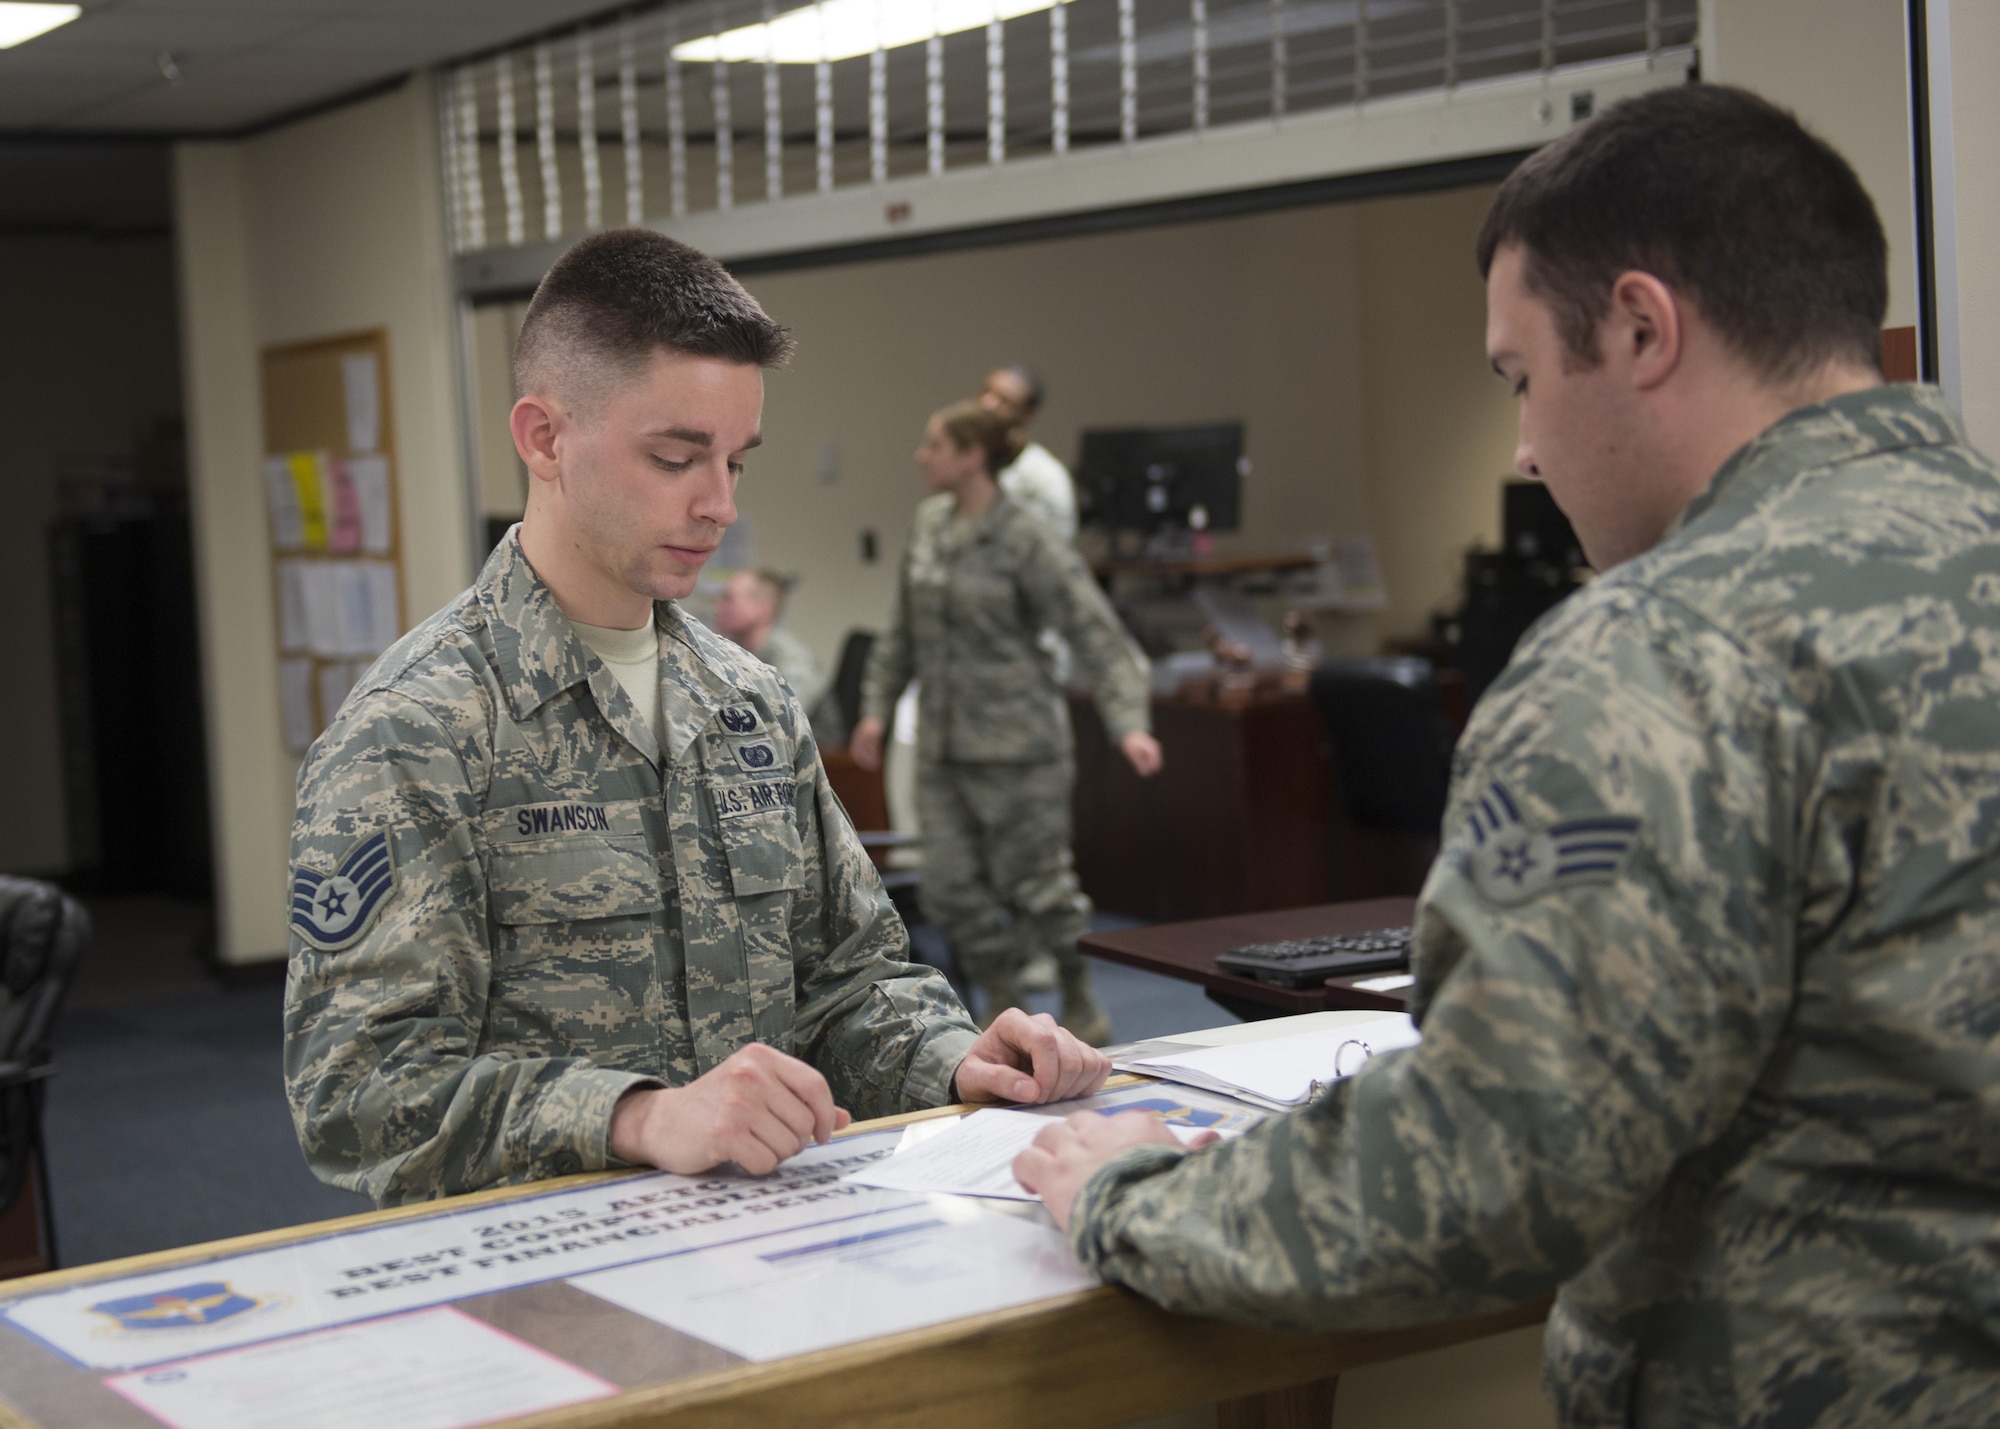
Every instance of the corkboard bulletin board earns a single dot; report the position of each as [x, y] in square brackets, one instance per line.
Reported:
[337, 578]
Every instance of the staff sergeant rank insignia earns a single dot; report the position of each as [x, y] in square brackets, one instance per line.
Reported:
[1513, 860]
[332, 911]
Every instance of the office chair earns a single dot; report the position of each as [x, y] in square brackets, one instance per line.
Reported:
[1392, 758]
[43, 934]
[837, 711]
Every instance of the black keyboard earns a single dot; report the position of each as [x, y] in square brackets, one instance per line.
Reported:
[1308, 962]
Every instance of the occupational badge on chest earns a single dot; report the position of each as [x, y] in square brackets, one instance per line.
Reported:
[756, 756]
[331, 911]
[740, 719]
[1514, 860]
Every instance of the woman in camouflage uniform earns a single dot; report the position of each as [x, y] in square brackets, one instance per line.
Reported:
[980, 581]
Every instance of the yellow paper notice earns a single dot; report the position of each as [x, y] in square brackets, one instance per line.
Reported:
[309, 480]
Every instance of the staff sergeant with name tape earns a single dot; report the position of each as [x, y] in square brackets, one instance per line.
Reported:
[569, 889]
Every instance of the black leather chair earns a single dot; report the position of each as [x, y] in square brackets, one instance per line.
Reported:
[1392, 759]
[43, 934]
[839, 709]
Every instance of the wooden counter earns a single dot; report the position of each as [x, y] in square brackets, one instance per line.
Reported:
[1097, 1357]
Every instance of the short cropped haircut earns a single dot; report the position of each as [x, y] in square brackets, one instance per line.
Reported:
[970, 425]
[1722, 196]
[1028, 378]
[776, 586]
[616, 298]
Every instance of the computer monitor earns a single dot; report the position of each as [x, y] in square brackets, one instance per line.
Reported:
[1534, 528]
[1162, 478]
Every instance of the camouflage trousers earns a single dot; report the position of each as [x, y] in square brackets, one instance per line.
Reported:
[998, 878]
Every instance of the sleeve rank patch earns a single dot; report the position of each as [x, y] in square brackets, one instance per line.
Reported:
[1514, 860]
[332, 911]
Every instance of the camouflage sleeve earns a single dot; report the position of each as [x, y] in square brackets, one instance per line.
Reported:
[1062, 596]
[887, 1033]
[1605, 963]
[387, 1089]
[891, 662]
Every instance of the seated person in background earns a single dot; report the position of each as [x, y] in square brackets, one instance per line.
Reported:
[1707, 970]
[748, 612]
[569, 889]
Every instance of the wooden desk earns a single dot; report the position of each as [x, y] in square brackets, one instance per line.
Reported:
[1098, 1357]
[1188, 951]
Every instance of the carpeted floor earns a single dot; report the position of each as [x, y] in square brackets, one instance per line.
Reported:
[167, 1121]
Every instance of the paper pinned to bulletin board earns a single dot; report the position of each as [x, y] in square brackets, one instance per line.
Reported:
[330, 489]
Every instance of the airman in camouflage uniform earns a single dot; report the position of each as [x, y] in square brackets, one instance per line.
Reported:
[558, 902]
[572, 911]
[1707, 982]
[993, 738]
[1706, 971]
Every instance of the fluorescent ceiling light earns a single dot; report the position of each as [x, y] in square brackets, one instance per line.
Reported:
[21, 21]
[842, 29]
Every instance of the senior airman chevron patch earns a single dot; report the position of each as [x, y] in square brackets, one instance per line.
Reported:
[332, 911]
[1514, 860]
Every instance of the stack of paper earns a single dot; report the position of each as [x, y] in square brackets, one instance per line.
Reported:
[974, 1155]
[1284, 1072]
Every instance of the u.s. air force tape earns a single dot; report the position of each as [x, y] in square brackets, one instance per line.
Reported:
[1514, 859]
[332, 910]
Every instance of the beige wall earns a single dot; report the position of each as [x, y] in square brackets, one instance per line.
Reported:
[1440, 424]
[324, 227]
[90, 363]
[1251, 318]
[1841, 66]
[1975, 41]
[1347, 337]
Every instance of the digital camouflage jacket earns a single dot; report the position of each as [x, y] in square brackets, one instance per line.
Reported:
[508, 906]
[972, 602]
[1709, 980]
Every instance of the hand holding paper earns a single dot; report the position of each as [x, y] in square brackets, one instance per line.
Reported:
[1068, 1153]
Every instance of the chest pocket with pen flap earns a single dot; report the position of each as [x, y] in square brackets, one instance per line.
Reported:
[569, 864]
[760, 839]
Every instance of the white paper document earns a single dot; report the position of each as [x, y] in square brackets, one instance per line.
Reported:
[295, 678]
[369, 620]
[974, 1158]
[335, 680]
[873, 1275]
[359, 376]
[288, 529]
[369, 476]
[974, 1155]
[1285, 1071]
[434, 1369]
[292, 631]
[136, 1321]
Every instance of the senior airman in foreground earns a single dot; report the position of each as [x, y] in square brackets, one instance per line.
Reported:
[1706, 971]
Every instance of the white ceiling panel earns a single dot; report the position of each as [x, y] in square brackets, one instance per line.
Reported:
[244, 63]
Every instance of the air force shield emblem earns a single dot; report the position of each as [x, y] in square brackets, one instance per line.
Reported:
[185, 1307]
[332, 911]
[1514, 860]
